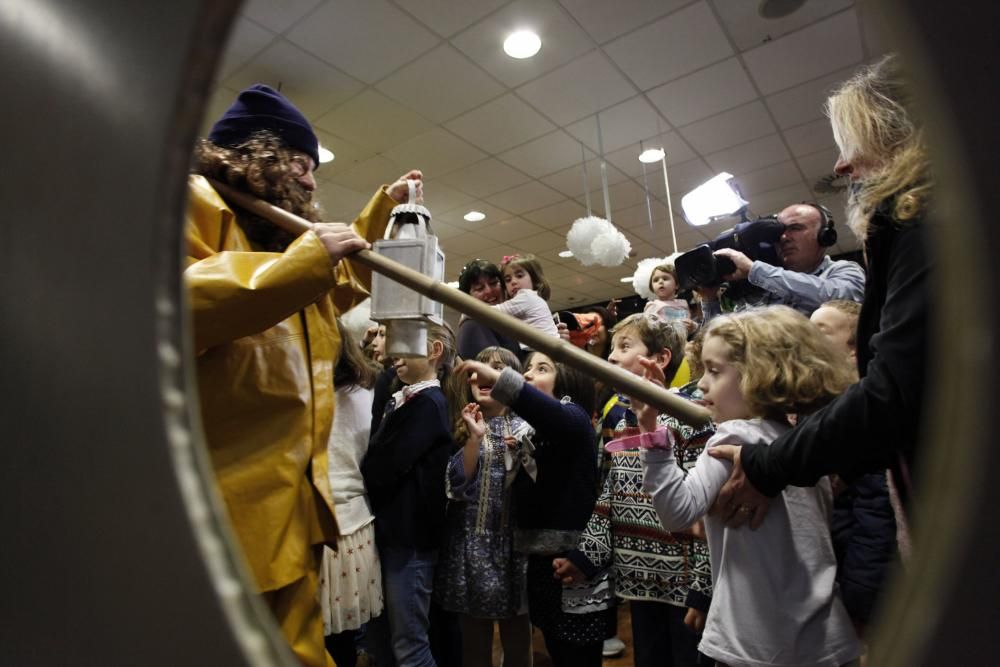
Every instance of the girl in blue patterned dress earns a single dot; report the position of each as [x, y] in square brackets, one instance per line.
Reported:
[480, 576]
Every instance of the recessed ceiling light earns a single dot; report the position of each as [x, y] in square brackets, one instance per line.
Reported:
[566, 253]
[325, 155]
[522, 44]
[626, 279]
[474, 216]
[651, 155]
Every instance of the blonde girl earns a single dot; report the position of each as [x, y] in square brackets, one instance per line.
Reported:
[775, 599]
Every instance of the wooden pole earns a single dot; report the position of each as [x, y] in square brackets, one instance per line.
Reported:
[556, 348]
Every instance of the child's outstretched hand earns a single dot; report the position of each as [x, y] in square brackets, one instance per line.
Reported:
[566, 572]
[478, 372]
[647, 414]
[473, 419]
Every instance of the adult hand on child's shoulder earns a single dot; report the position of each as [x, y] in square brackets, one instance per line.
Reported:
[738, 500]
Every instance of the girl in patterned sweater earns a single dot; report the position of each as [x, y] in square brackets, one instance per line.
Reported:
[665, 575]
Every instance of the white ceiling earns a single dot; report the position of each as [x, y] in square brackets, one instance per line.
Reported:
[393, 85]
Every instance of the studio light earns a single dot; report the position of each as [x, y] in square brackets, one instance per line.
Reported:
[716, 198]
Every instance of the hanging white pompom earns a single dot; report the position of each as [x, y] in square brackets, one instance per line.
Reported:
[594, 240]
[642, 275]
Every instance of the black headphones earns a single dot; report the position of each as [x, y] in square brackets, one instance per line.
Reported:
[827, 235]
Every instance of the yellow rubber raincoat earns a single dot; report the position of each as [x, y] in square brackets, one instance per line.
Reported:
[267, 344]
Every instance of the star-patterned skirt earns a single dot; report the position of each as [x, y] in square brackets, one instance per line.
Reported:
[350, 581]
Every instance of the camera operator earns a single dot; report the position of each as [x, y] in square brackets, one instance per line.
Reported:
[809, 277]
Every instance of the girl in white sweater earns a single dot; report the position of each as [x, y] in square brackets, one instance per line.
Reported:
[775, 598]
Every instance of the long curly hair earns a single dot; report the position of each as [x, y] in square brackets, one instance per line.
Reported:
[262, 165]
[870, 115]
[786, 364]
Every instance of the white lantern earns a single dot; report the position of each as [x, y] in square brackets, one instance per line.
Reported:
[410, 241]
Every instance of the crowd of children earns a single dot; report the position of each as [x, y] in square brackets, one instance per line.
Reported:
[474, 498]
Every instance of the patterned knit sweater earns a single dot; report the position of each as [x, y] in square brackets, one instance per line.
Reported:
[624, 533]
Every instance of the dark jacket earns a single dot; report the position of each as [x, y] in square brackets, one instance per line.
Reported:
[864, 538]
[553, 509]
[404, 472]
[473, 338]
[875, 423]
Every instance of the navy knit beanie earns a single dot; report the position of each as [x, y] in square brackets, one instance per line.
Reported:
[261, 107]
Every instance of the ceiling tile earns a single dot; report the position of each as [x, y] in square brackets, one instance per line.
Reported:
[606, 20]
[373, 120]
[456, 216]
[749, 156]
[638, 215]
[446, 17]
[332, 33]
[558, 215]
[585, 86]
[683, 178]
[622, 125]
[775, 200]
[627, 159]
[562, 40]
[245, 41]
[436, 152]
[804, 103]
[342, 204]
[440, 85]
[528, 197]
[570, 181]
[729, 128]
[485, 178]
[622, 195]
[544, 155]
[748, 28]
[811, 52]
[539, 243]
[346, 154]
[312, 85]
[505, 231]
[811, 137]
[277, 16]
[819, 164]
[445, 231]
[367, 175]
[501, 124]
[443, 198]
[472, 244]
[675, 45]
[704, 93]
[769, 178]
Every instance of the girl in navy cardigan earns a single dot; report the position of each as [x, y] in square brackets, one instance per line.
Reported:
[554, 492]
[404, 472]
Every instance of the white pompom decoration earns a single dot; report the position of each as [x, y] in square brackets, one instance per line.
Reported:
[594, 240]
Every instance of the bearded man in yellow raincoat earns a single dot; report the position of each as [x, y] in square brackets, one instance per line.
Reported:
[264, 305]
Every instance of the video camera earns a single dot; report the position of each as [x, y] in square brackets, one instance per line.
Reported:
[757, 239]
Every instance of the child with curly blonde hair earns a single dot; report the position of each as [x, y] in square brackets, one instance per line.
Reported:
[775, 596]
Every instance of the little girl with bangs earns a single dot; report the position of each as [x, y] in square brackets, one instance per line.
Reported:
[480, 576]
[775, 596]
